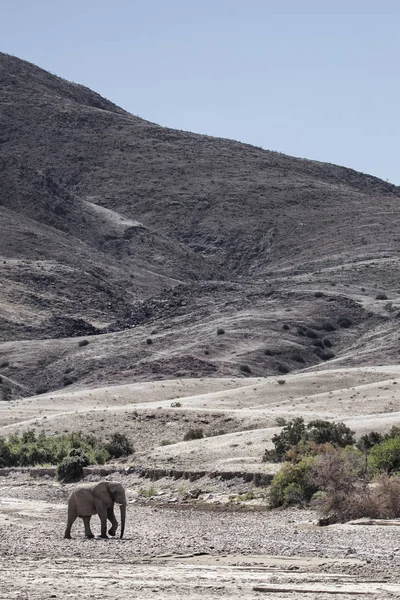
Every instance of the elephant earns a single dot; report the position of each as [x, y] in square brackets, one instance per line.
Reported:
[89, 499]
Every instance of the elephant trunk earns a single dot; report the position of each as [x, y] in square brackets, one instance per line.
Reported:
[123, 517]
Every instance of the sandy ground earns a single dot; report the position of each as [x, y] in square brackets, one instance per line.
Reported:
[210, 538]
[181, 551]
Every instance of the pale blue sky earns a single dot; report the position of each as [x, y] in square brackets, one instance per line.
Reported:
[312, 78]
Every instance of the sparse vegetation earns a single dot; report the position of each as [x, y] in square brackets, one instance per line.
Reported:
[30, 449]
[344, 322]
[193, 434]
[119, 445]
[325, 466]
[328, 326]
[71, 467]
[42, 389]
[300, 439]
[311, 333]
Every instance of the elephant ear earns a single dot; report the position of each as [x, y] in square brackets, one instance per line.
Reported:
[117, 492]
[102, 492]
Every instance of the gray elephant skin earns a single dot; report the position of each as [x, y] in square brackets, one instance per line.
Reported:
[88, 499]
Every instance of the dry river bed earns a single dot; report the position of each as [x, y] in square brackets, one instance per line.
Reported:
[180, 551]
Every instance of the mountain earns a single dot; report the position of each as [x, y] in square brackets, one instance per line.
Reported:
[150, 240]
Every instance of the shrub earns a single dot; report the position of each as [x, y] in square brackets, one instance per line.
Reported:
[4, 364]
[327, 355]
[282, 368]
[291, 434]
[381, 297]
[328, 326]
[300, 331]
[369, 440]
[318, 294]
[301, 439]
[193, 434]
[83, 343]
[285, 327]
[269, 352]
[220, 331]
[166, 443]
[42, 389]
[71, 467]
[344, 322]
[30, 449]
[346, 496]
[292, 485]
[385, 456]
[281, 381]
[149, 341]
[119, 445]
[245, 369]
[318, 343]
[311, 333]
[298, 357]
[322, 432]
[327, 343]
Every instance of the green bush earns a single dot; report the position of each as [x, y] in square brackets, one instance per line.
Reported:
[324, 432]
[71, 467]
[385, 457]
[119, 445]
[296, 434]
[292, 485]
[30, 449]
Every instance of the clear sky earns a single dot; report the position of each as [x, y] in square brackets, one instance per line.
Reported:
[318, 79]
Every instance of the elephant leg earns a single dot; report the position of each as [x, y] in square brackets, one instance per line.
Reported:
[71, 520]
[88, 531]
[102, 512]
[114, 523]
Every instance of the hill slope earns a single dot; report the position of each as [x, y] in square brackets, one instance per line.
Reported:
[103, 214]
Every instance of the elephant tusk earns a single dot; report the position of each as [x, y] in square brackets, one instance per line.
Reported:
[123, 517]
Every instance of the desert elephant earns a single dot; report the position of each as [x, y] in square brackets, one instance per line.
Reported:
[89, 499]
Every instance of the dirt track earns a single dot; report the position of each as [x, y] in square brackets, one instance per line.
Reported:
[180, 552]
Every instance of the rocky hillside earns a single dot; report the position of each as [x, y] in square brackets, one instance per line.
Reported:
[104, 214]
